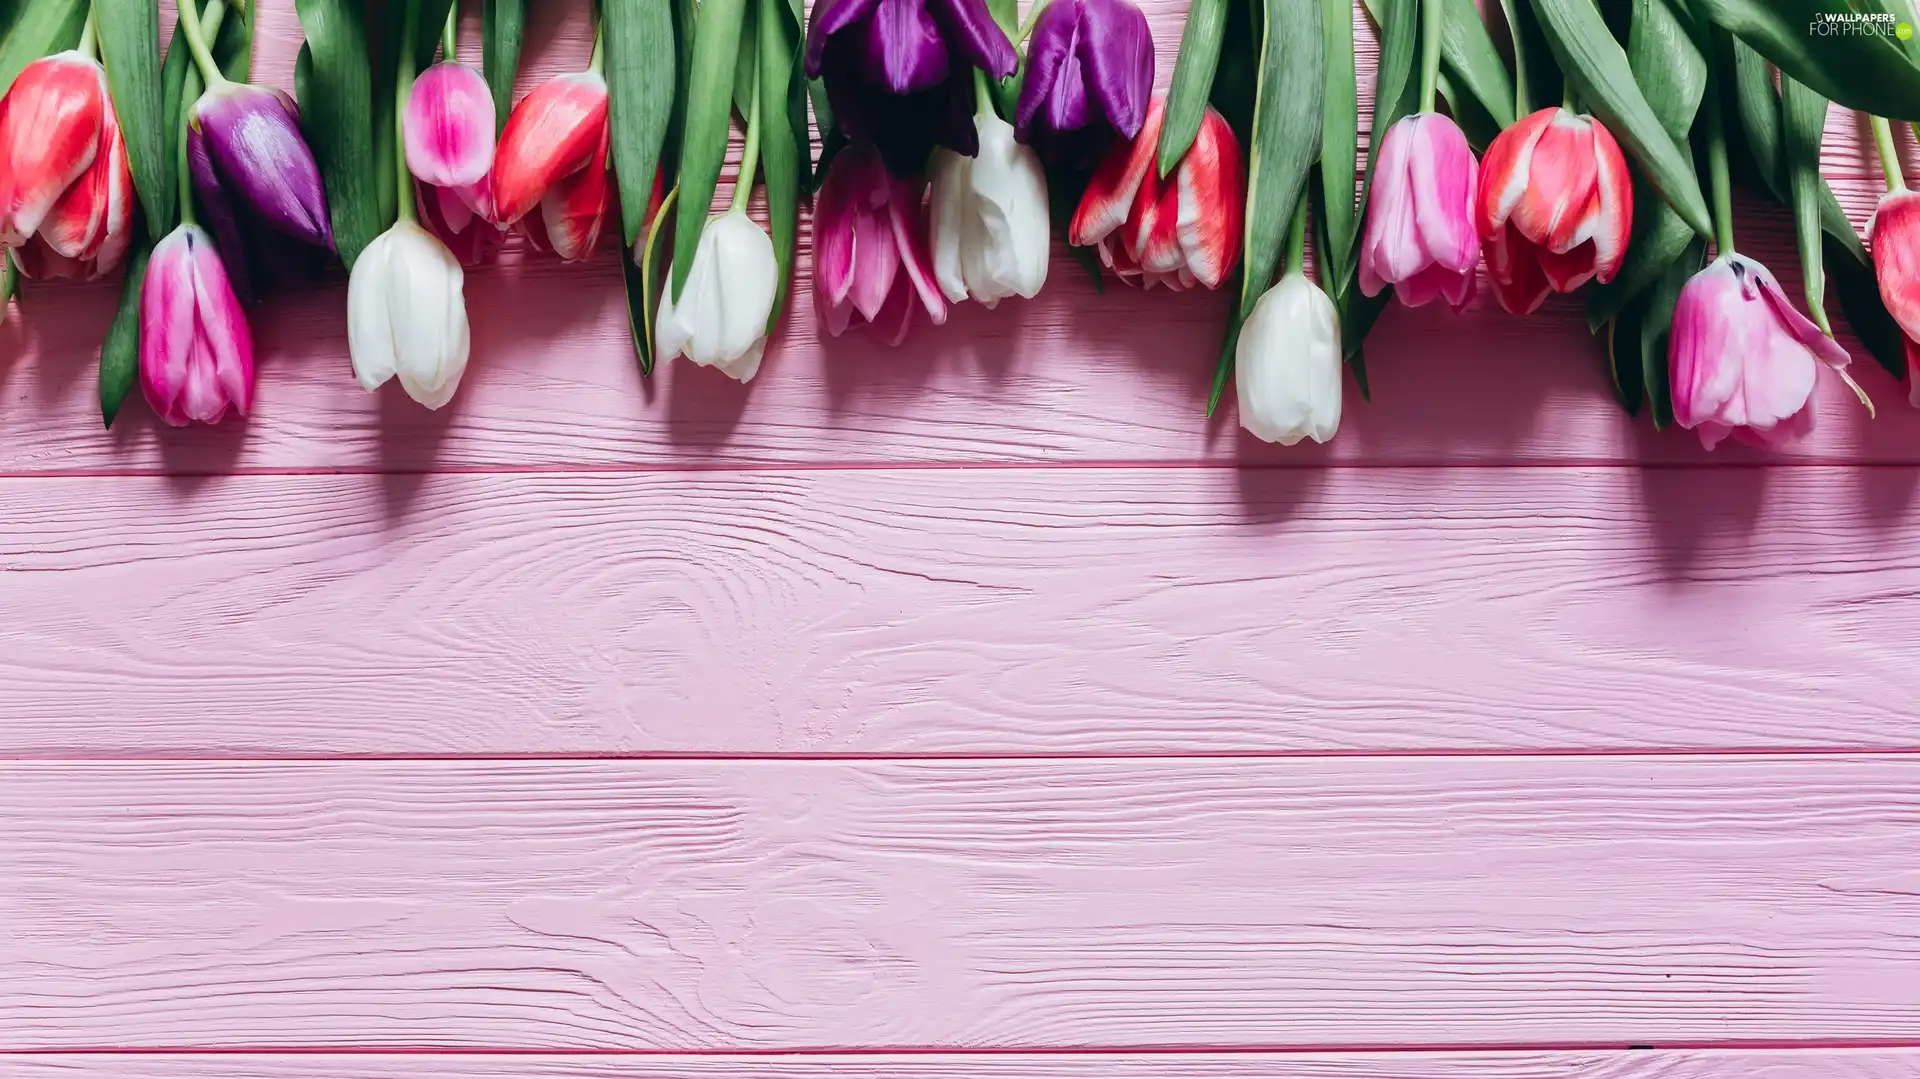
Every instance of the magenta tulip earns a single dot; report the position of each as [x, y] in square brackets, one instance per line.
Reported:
[196, 353]
[1743, 360]
[449, 126]
[870, 249]
[1419, 235]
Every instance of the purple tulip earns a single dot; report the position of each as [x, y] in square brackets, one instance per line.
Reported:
[899, 73]
[1089, 76]
[259, 158]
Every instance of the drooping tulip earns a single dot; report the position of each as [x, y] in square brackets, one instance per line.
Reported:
[1554, 208]
[88, 231]
[870, 252]
[1287, 364]
[1743, 360]
[407, 315]
[553, 157]
[721, 318]
[1896, 259]
[1181, 231]
[899, 73]
[989, 218]
[261, 162]
[1089, 78]
[1419, 235]
[448, 128]
[196, 352]
[53, 125]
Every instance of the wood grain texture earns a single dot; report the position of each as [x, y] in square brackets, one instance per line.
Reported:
[1070, 376]
[956, 611]
[1658, 1064]
[964, 904]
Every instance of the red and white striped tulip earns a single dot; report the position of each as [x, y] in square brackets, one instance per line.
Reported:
[1180, 231]
[553, 157]
[63, 165]
[1896, 259]
[196, 352]
[1419, 234]
[1554, 209]
[87, 233]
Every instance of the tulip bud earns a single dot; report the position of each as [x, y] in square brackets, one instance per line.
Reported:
[51, 122]
[196, 352]
[253, 141]
[989, 218]
[721, 317]
[1743, 359]
[88, 231]
[1419, 234]
[1178, 232]
[556, 131]
[1089, 70]
[1896, 259]
[869, 250]
[1287, 364]
[407, 315]
[448, 126]
[1554, 207]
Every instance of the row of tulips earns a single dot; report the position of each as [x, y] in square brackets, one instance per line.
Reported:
[955, 141]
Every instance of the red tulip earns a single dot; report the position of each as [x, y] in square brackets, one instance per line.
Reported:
[88, 231]
[54, 122]
[1554, 208]
[573, 210]
[553, 156]
[1896, 257]
[1179, 231]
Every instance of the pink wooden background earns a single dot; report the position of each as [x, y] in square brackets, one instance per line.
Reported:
[970, 711]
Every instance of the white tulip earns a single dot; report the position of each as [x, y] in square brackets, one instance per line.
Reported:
[989, 218]
[1287, 364]
[721, 319]
[407, 315]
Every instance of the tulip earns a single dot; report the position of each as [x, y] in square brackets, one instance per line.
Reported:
[407, 315]
[1896, 258]
[1180, 231]
[196, 353]
[553, 157]
[1089, 77]
[461, 218]
[1554, 209]
[870, 254]
[88, 231]
[260, 163]
[989, 218]
[721, 317]
[448, 128]
[1419, 234]
[54, 124]
[1287, 364]
[899, 73]
[1743, 359]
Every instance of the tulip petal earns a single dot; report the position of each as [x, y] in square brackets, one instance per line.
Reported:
[829, 19]
[1513, 264]
[894, 320]
[263, 161]
[555, 131]
[1798, 326]
[1391, 248]
[909, 224]
[222, 217]
[1287, 364]
[903, 47]
[1004, 227]
[50, 126]
[833, 222]
[1054, 90]
[1506, 171]
[1553, 211]
[1613, 220]
[1109, 197]
[223, 339]
[1116, 49]
[1443, 174]
[951, 185]
[1896, 257]
[969, 27]
[1212, 201]
[167, 323]
[370, 315]
[1913, 372]
[449, 126]
[574, 209]
[76, 226]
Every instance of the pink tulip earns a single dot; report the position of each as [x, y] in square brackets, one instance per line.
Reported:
[870, 252]
[1419, 234]
[1180, 231]
[1743, 359]
[449, 126]
[196, 353]
[1896, 258]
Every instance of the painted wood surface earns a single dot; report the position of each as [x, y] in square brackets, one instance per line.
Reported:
[1660, 1064]
[953, 611]
[961, 904]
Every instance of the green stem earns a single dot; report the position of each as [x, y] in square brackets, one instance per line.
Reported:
[186, 171]
[402, 89]
[1722, 182]
[1889, 154]
[1297, 237]
[450, 34]
[1033, 16]
[597, 63]
[1567, 100]
[750, 157]
[1432, 16]
[982, 93]
[90, 35]
[197, 45]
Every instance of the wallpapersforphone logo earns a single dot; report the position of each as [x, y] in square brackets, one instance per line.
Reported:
[1860, 24]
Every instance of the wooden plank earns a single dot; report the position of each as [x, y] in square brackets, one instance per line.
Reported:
[959, 612]
[1070, 376]
[1660, 1064]
[700, 905]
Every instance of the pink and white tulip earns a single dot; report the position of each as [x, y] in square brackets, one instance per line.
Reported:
[870, 255]
[1419, 235]
[1744, 361]
[448, 128]
[66, 193]
[1554, 209]
[1896, 260]
[196, 352]
[1180, 231]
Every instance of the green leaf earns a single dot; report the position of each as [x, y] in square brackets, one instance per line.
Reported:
[683, 12]
[1470, 55]
[1870, 72]
[1656, 330]
[716, 49]
[1479, 127]
[1339, 140]
[426, 29]
[747, 64]
[640, 81]
[779, 156]
[1804, 122]
[334, 112]
[41, 27]
[1286, 136]
[503, 26]
[1533, 60]
[129, 35]
[1623, 359]
[9, 277]
[1395, 94]
[120, 351]
[1236, 77]
[1229, 345]
[1666, 61]
[1597, 67]
[1758, 108]
[1857, 286]
[1193, 79]
[1650, 251]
